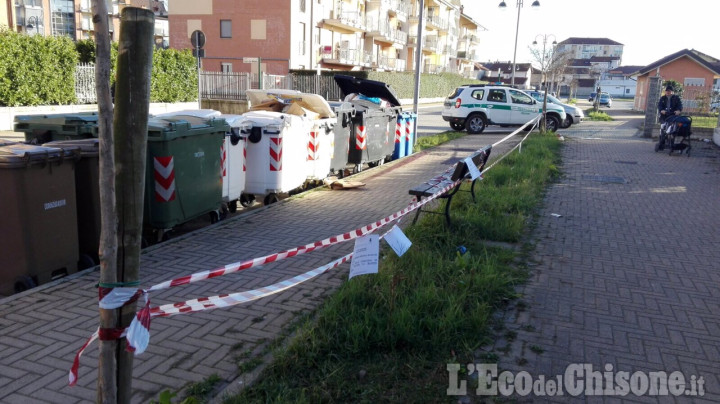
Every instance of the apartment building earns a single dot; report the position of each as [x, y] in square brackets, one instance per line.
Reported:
[73, 18]
[276, 36]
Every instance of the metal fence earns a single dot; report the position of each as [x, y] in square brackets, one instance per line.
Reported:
[224, 86]
[321, 85]
[85, 83]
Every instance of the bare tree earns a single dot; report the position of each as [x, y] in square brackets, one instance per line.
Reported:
[106, 385]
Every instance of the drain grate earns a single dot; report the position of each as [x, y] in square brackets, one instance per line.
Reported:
[605, 178]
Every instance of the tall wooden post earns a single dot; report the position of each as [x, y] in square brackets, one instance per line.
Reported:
[132, 103]
[106, 384]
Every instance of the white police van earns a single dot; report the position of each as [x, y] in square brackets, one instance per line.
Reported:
[475, 106]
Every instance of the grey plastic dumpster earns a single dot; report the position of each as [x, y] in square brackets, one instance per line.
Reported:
[87, 193]
[45, 128]
[38, 233]
[345, 112]
[373, 126]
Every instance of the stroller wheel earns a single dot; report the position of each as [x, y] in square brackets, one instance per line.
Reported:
[657, 147]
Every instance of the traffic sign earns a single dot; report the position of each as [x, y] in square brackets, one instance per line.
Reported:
[197, 38]
[199, 53]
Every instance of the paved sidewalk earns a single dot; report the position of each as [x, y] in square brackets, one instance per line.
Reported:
[42, 329]
[629, 274]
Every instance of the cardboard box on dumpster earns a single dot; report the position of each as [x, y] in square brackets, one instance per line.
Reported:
[297, 108]
[269, 105]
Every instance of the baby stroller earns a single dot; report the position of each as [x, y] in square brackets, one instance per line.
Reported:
[675, 134]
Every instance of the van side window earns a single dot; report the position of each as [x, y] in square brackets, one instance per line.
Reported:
[497, 96]
[520, 98]
[478, 94]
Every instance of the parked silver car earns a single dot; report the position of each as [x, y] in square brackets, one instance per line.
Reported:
[573, 114]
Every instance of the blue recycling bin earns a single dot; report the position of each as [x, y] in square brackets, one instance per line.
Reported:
[400, 135]
[410, 119]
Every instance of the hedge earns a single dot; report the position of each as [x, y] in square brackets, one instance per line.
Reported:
[431, 85]
[36, 70]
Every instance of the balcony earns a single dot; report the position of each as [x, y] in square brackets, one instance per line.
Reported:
[430, 44]
[346, 22]
[450, 50]
[401, 9]
[378, 29]
[471, 56]
[434, 69]
[437, 23]
[412, 41]
[346, 57]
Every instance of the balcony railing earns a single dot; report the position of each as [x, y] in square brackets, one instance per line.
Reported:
[437, 22]
[400, 37]
[430, 43]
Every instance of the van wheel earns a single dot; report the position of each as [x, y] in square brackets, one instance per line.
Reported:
[475, 124]
[551, 123]
[458, 126]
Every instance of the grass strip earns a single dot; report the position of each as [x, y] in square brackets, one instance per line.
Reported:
[427, 142]
[389, 337]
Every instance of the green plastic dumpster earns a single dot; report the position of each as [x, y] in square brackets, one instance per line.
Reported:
[38, 232]
[40, 129]
[184, 177]
[87, 195]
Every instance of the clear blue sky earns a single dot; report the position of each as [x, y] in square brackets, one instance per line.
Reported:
[649, 29]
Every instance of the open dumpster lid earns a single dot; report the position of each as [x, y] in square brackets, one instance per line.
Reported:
[369, 88]
[317, 103]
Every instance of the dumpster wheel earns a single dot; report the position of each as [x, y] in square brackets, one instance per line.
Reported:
[270, 199]
[24, 283]
[86, 262]
[232, 206]
[246, 200]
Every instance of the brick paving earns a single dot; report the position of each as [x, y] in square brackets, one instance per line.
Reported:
[42, 329]
[629, 274]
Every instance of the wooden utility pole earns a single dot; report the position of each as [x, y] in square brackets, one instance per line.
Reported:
[132, 104]
[122, 226]
[106, 384]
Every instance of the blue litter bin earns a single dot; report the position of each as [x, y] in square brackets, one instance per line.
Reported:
[410, 119]
[400, 135]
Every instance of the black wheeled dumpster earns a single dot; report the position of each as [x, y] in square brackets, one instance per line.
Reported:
[372, 135]
[45, 128]
[38, 232]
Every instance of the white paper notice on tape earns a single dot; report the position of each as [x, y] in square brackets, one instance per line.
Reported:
[365, 256]
[474, 171]
[397, 240]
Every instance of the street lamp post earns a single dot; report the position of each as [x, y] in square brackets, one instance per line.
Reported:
[502, 5]
[33, 22]
[543, 66]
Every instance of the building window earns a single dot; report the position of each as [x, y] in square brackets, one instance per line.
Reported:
[62, 18]
[694, 82]
[225, 28]
[226, 67]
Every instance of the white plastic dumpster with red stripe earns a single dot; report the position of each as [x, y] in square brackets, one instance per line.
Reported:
[285, 150]
[232, 157]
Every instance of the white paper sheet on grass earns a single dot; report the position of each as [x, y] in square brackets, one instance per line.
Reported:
[365, 256]
[397, 240]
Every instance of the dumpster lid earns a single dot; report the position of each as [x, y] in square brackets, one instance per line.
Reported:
[86, 146]
[60, 119]
[369, 88]
[21, 154]
[236, 121]
[200, 113]
[316, 102]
